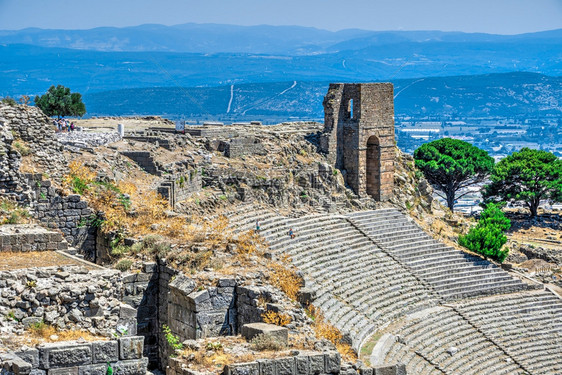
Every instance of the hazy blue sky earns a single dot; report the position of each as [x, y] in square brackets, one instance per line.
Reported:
[491, 16]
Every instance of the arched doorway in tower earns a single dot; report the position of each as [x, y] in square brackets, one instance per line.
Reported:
[373, 167]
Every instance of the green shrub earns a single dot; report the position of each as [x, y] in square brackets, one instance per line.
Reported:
[124, 265]
[120, 250]
[9, 101]
[173, 340]
[486, 240]
[263, 342]
[21, 148]
[78, 185]
[494, 216]
[487, 237]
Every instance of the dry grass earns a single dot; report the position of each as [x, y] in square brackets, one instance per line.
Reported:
[212, 355]
[12, 213]
[44, 333]
[18, 260]
[284, 277]
[279, 319]
[325, 330]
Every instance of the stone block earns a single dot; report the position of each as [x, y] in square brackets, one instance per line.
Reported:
[332, 362]
[131, 347]
[302, 365]
[398, 369]
[64, 355]
[30, 356]
[267, 366]
[316, 362]
[21, 367]
[149, 267]
[286, 366]
[63, 371]
[97, 369]
[127, 312]
[105, 351]
[249, 331]
[249, 368]
[131, 367]
[200, 300]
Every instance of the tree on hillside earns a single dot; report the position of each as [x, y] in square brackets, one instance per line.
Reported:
[527, 176]
[451, 165]
[59, 101]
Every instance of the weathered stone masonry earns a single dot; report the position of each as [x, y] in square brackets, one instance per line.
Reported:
[359, 136]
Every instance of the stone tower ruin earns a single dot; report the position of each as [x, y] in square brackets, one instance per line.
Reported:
[359, 136]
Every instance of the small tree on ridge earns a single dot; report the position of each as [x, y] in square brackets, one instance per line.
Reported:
[59, 101]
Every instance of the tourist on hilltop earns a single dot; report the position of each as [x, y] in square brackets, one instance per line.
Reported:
[257, 226]
[72, 126]
[291, 234]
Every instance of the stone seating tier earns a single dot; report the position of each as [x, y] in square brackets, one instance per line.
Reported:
[453, 273]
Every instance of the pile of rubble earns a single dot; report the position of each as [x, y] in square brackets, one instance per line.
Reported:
[80, 140]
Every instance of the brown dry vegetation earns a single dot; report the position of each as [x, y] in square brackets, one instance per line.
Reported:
[284, 277]
[325, 330]
[273, 317]
[39, 333]
[215, 353]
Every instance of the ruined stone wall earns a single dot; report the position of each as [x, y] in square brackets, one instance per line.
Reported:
[166, 139]
[69, 297]
[145, 160]
[165, 275]
[35, 129]
[312, 363]
[195, 314]
[240, 146]
[142, 292]
[211, 131]
[180, 186]
[22, 237]
[11, 183]
[73, 357]
[69, 214]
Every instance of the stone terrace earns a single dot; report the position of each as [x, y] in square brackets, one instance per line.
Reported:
[29, 237]
[358, 286]
[453, 273]
[527, 325]
[366, 285]
[441, 341]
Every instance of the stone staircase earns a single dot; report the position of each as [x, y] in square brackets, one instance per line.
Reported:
[526, 325]
[453, 273]
[441, 341]
[368, 279]
[358, 286]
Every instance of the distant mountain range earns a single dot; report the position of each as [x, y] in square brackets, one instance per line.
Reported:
[193, 68]
[494, 95]
[263, 39]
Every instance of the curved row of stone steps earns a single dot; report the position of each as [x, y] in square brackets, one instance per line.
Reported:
[527, 325]
[453, 273]
[449, 344]
[358, 286]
